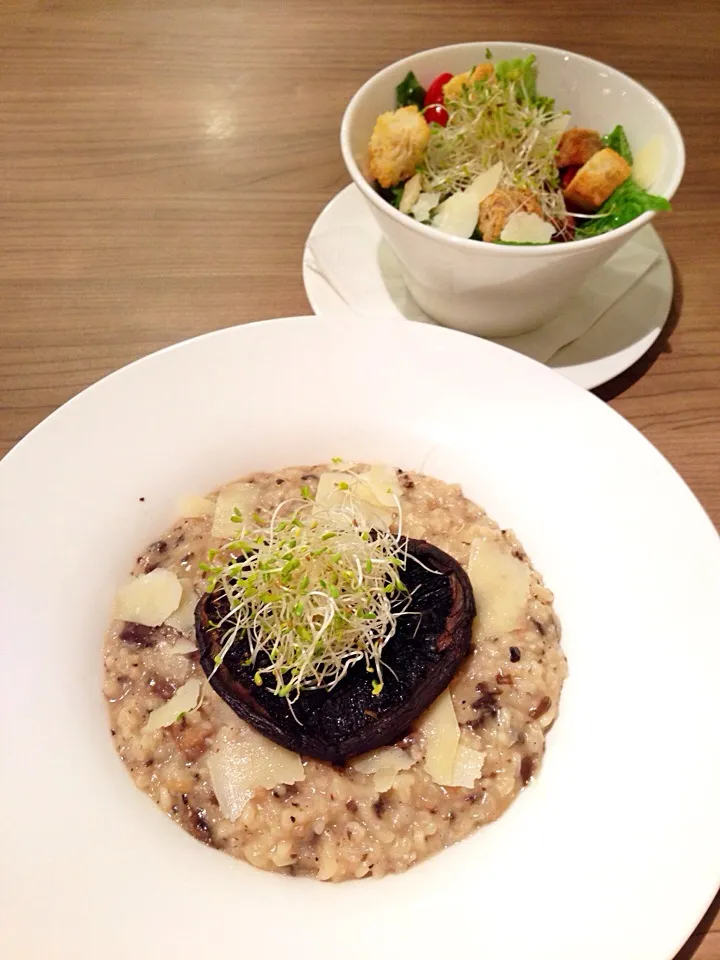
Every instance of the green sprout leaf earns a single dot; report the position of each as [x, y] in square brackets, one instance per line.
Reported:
[498, 120]
[298, 599]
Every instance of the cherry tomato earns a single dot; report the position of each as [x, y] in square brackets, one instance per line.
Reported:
[436, 113]
[434, 93]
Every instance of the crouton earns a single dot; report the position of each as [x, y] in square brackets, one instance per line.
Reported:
[397, 145]
[454, 87]
[498, 206]
[597, 179]
[576, 146]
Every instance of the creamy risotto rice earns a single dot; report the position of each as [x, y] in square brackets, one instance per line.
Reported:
[339, 823]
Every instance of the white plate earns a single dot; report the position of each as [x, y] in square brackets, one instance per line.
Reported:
[619, 338]
[614, 852]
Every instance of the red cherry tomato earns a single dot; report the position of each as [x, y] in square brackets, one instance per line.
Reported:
[434, 92]
[436, 113]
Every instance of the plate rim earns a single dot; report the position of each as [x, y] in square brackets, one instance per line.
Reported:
[433, 332]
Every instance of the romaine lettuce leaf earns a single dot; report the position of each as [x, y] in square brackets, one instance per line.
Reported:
[618, 142]
[622, 206]
[393, 195]
[410, 91]
[524, 74]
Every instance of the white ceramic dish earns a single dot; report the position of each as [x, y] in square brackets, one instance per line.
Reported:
[614, 852]
[612, 344]
[484, 288]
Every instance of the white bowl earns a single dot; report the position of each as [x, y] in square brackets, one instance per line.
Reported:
[490, 289]
[613, 853]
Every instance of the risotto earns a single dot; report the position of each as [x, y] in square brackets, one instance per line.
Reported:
[384, 811]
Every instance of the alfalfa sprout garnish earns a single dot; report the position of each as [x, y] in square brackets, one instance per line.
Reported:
[312, 592]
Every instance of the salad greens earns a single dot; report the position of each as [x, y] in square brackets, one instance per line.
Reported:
[393, 195]
[486, 136]
[523, 74]
[623, 205]
[618, 141]
[409, 92]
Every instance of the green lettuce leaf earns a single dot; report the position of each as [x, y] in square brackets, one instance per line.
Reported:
[409, 91]
[393, 195]
[523, 73]
[622, 206]
[618, 142]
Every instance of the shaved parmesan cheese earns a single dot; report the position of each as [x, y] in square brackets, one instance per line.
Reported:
[440, 730]
[458, 215]
[524, 227]
[483, 185]
[184, 699]
[379, 485]
[245, 762]
[501, 584]
[182, 646]
[449, 763]
[467, 767]
[242, 496]
[372, 491]
[193, 506]
[329, 492]
[558, 125]
[649, 161]
[411, 194]
[425, 205]
[386, 758]
[149, 599]
[183, 619]
[384, 764]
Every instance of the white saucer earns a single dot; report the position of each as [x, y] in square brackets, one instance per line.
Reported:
[620, 337]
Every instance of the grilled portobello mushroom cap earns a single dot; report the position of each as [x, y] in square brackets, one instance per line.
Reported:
[420, 660]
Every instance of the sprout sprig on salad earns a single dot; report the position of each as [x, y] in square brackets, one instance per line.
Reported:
[481, 154]
[497, 122]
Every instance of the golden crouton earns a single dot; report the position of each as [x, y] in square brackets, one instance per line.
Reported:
[498, 206]
[454, 87]
[596, 180]
[397, 145]
[576, 146]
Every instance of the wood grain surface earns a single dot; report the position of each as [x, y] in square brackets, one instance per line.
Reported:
[161, 163]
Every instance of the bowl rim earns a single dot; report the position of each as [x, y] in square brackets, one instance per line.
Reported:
[492, 249]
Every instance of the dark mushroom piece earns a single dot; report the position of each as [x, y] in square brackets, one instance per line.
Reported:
[419, 661]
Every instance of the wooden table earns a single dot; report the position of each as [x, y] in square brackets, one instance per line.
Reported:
[161, 162]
